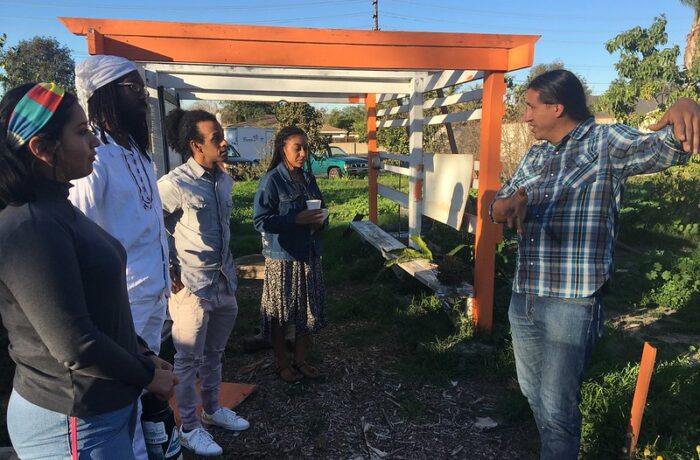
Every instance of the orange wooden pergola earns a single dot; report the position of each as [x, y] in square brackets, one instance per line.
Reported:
[237, 62]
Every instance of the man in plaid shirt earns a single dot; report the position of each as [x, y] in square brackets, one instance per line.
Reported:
[564, 199]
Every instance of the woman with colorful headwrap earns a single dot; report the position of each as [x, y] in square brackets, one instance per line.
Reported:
[79, 365]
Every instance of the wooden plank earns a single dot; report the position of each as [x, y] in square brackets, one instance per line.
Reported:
[394, 156]
[396, 169]
[451, 78]
[452, 99]
[436, 103]
[442, 79]
[641, 391]
[394, 195]
[390, 97]
[454, 117]
[426, 272]
[271, 96]
[282, 72]
[398, 123]
[393, 110]
[371, 106]
[421, 269]
[415, 147]
[377, 237]
[488, 234]
[304, 47]
[289, 84]
[215, 32]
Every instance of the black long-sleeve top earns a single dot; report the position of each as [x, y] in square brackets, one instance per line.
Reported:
[64, 303]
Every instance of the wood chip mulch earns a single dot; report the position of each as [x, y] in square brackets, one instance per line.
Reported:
[361, 409]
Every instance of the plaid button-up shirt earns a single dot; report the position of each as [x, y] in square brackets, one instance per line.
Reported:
[574, 192]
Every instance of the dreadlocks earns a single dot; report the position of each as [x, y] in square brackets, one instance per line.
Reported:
[103, 113]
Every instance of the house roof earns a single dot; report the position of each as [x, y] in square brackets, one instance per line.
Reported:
[328, 129]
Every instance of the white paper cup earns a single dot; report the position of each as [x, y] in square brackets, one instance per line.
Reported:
[313, 204]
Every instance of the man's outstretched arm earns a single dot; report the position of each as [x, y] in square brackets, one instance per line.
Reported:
[684, 115]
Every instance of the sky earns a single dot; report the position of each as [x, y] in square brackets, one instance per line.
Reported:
[573, 32]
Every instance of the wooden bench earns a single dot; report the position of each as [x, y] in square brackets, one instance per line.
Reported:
[421, 269]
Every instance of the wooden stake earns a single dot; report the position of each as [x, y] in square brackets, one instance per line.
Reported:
[646, 367]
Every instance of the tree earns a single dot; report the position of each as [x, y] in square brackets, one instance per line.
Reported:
[35, 60]
[347, 117]
[305, 117]
[646, 71]
[692, 41]
[240, 111]
[351, 118]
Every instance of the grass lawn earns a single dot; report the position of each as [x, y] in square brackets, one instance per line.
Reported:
[655, 297]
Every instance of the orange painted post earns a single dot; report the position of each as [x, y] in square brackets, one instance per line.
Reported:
[641, 391]
[488, 234]
[372, 158]
[96, 43]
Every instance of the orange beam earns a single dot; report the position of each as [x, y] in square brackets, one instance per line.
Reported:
[641, 391]
[300, 47]
[371, 104]
[488, 234]
[96, 44]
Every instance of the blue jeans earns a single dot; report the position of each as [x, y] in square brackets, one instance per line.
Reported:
[552, 342]
[37, 433]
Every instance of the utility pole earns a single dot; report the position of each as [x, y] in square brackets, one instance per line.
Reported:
[376, 14]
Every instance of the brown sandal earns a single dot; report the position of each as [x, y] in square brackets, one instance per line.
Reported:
[289, 374]
[306, 370]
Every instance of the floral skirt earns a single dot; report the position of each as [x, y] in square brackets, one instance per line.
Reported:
[294, 293]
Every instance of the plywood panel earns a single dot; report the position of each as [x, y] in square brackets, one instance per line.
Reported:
[447, 182]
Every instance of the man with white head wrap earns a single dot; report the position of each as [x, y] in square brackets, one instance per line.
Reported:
[121, 194]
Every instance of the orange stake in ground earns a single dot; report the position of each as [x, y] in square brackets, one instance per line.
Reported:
[640, 397]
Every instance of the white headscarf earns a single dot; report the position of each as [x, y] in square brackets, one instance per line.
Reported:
[96, 71]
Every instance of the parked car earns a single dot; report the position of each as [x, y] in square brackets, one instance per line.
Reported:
[237, 166]
[334, 163]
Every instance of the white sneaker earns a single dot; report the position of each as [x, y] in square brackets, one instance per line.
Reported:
[225, 418]
[200, 442]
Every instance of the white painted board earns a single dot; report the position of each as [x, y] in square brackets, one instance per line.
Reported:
[448, 178]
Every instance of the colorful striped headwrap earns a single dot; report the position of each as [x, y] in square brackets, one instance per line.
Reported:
[32, 112]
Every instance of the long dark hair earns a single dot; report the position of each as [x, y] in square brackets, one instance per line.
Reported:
[104, 113]
[281, 139]
[562, 87]
[16, 166]
[181, 128]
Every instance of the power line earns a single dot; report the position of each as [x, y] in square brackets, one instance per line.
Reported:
[268, 21]
[227, 7]
[511, 13]
[532, 29]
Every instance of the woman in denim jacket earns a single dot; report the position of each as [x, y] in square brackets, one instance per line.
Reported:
[293, 289]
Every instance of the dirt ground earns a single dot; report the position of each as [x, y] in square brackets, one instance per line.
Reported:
[360, 409]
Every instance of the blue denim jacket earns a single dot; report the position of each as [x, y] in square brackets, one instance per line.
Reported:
[277, 202]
